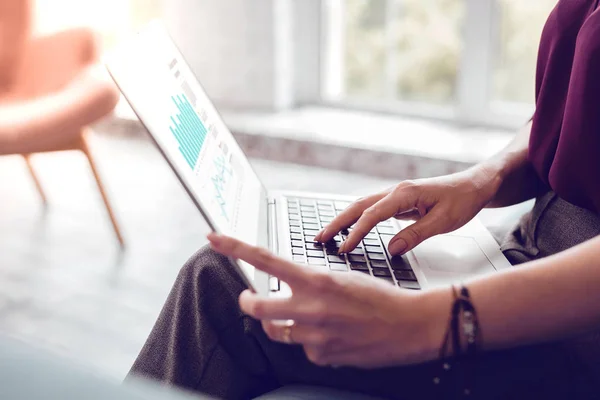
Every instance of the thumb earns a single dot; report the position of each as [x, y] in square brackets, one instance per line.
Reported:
[413, 235]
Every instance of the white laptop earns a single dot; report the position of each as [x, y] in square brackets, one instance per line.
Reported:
[172, 105]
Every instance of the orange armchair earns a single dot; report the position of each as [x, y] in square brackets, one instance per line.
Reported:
[51, 88]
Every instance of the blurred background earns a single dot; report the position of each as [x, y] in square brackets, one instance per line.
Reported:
[319, 93]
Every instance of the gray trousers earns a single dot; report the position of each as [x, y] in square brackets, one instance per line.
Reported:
[204, 343]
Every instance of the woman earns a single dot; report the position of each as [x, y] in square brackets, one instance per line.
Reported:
[356, 333]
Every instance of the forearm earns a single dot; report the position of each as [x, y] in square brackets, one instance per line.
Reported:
[544, 300]
[517, 179]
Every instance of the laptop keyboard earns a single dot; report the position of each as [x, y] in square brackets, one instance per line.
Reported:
[308, 216]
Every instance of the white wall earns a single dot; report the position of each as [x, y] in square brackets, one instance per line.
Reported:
[231, 46]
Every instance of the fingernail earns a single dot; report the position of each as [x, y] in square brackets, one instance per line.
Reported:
[397, 246]
[342, 248]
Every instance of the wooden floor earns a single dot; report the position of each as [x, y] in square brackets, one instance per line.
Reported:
[65, 286]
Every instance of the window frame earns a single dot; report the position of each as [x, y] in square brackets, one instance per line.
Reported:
[471, 107]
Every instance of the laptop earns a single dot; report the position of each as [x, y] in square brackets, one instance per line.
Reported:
[187, 129]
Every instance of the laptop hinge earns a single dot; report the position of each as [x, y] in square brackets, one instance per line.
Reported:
[272, 226]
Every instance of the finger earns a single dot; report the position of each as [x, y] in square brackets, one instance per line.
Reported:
[347, 217]
[386, 208]
[261, 258]
[412, 215]
[300, 333]
[275, 309]
[430, 225]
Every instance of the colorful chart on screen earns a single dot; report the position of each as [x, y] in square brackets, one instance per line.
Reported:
[206, 152]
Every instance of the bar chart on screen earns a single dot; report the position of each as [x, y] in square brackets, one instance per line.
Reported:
[205, 148]
[188, 129]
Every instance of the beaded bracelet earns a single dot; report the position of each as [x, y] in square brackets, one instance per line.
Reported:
[463, 319]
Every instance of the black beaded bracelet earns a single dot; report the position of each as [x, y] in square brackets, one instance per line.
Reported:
[463, 320]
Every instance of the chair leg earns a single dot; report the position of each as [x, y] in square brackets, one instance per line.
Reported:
[86, 150]
[38, 185]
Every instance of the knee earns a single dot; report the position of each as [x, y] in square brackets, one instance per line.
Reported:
[209, 268]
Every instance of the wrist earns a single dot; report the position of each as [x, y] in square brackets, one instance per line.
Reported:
[487, 177]
[434, 308]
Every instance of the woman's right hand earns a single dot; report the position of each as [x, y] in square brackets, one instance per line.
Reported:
[439, 205]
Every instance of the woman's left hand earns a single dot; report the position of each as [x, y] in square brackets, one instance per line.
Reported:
[342, 319]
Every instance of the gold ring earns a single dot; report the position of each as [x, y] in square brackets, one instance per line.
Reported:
[287, 333]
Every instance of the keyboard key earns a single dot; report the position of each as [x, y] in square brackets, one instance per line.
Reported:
[332, 250]
[400, 263]
[309, 238]
[356, 259]
[372, 235]
[357, 252]
[379, 264]
[310, 220]
[359, 266]
[315, 253]
[326, 220]
[298, 243]
[274, 284]
[314, 246]
[371, 242]
[389, 280]
[374, 249]
[316, 261]
[387, 230]
[311, 226]
[338, 267]
[336, 259]
[309, 203]
[295, 223]
[297, 251]
[308, 214]
[409, 285]
[333, 243]
[405, 276]
[387, 223]
[299, 259]
[376, 257]
[296, 236]
[380, 272]
[326, 214]
[294, 217]
[295, 229]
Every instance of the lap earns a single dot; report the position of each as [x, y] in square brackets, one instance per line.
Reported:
[515, 373]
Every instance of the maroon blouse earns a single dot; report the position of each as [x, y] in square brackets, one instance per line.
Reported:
[565, 139]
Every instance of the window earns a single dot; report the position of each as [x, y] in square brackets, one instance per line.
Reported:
[472, 61]
[521, 24]
[113, 19]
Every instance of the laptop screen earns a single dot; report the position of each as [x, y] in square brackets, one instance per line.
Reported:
[173, 106]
